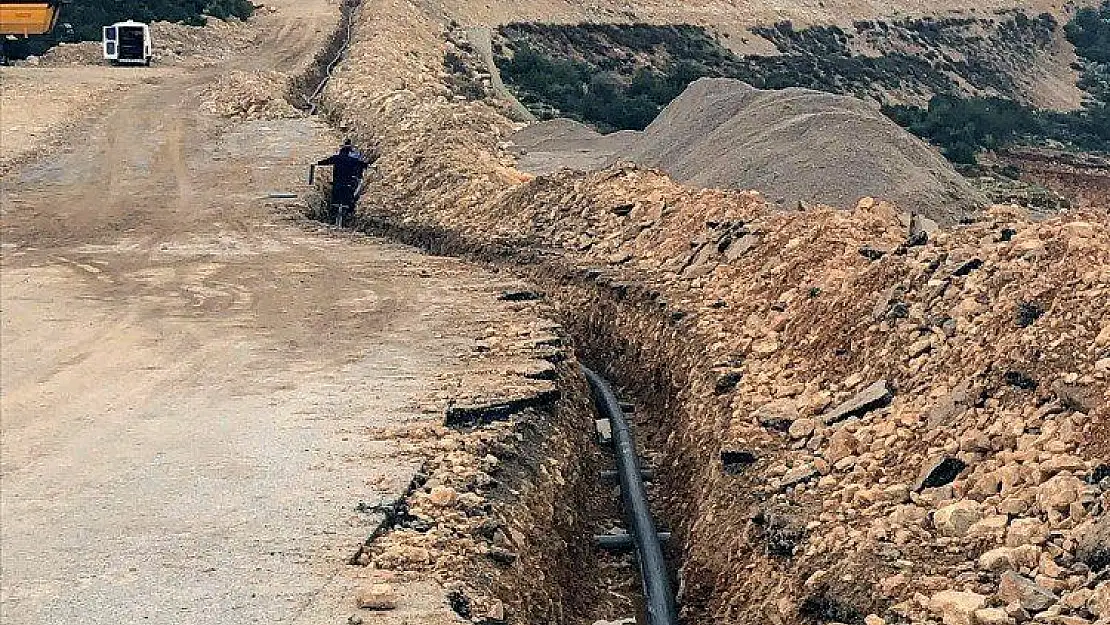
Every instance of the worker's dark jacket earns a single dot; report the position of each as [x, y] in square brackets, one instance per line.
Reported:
[348, 170]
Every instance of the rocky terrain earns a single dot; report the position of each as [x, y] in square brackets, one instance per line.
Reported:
[859, 416]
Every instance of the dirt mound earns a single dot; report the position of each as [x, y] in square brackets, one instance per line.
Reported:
[249, 95]
[547, 147]
[214, 41]
[795, 146]
[70, 54]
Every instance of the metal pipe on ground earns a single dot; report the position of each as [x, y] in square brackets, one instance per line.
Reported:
[659, 600]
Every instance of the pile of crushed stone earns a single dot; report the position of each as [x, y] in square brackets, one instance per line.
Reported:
[249, 96]
[797, 146]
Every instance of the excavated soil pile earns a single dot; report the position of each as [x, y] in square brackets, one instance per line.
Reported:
[250, 95]
[859, 417]
[795, 145]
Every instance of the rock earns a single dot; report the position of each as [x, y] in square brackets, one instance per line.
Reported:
[874, 619]
[1100, 473]
[993, 616]
[1092, 543]
[842, 444]
[951, 405]
[777, 415]
[501, 556]
[1103, 338]
[871, 253]
[802, 428]
[1099, 602]
[890, 586]
[1026, 532]
[968, 267]
[956, 519]
[741, 247]
[997, 560]
[955, 607]
[1059, 492]
[939, 471]
[444, 496]
[377, 597]
[519, 296]
[1057, 464]
[798, 475]
[878, 395]
[994, 525]
[496, 612]
[1014, 588]
[922, 225]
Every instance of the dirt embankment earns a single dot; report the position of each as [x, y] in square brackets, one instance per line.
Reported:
[859, 417]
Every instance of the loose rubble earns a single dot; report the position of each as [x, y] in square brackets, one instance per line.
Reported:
[250, 96]
[959, 490]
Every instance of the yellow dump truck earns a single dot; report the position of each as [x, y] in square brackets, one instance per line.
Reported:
[23, 18]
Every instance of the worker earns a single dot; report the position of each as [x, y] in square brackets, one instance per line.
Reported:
[348, 167]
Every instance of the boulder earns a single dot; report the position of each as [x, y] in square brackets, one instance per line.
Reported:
[1060, 492]
[1099, 601]
[1092, 543]
[802, 428]
[1026, 532]
[377, 597]
[957, 608]
[841, 445]
[993, 616]
[1014, 588]
[997, 560]
[877, 395]
[777, 415]
[956, 519]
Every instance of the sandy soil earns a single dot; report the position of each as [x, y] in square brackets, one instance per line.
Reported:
[189, 381]
[39, 105]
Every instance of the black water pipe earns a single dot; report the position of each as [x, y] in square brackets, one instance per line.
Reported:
[659, 600]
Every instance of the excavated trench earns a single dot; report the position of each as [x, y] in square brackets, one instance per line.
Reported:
[547, 501]
[556, 494]
[625, 336]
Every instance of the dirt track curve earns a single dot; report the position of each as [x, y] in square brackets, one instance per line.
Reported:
[188, 379]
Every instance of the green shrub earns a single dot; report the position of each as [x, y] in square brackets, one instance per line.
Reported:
[1089, 32]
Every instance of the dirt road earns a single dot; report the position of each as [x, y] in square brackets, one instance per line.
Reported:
[188, 379]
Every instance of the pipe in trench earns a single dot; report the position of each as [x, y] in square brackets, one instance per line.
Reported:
[659, 600]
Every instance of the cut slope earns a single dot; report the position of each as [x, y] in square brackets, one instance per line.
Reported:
[794, 145]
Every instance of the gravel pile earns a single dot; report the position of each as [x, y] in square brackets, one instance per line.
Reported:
[795, 145]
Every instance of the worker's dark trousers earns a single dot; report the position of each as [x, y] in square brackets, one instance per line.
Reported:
[342, 194]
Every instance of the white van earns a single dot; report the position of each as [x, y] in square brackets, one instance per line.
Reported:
[127, 42]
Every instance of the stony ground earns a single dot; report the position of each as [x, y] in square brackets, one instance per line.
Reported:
[868, 419]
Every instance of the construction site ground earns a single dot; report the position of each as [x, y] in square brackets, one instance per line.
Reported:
[192, 379]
